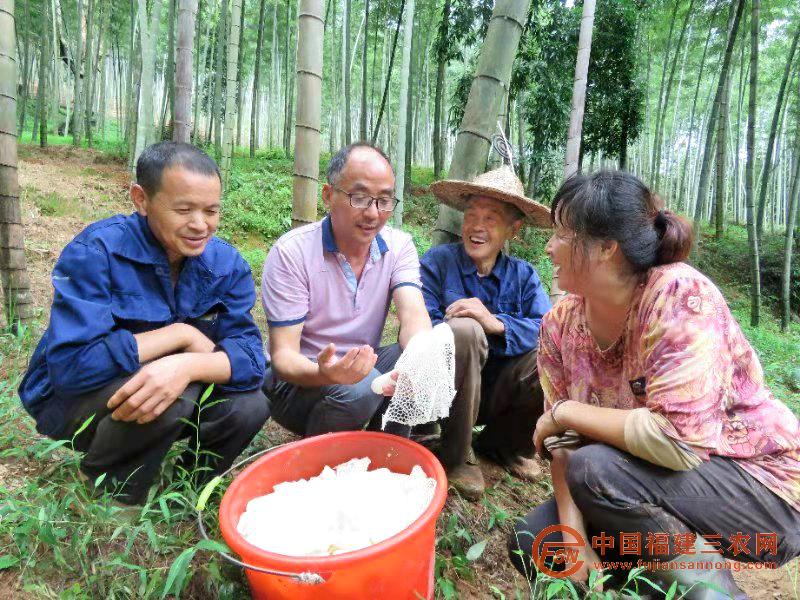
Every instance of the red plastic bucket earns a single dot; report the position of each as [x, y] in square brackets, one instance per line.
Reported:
[398, 567]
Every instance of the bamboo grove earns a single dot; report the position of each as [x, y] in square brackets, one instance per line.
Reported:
[701, 98]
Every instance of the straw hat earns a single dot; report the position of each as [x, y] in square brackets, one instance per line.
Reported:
[501, 184]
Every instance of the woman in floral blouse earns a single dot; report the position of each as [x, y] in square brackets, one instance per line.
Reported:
[663, 436]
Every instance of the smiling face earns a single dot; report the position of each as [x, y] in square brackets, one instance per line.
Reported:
[488, 224]
[566, 262]
[184, 213]
[582, 266]
[365, 172]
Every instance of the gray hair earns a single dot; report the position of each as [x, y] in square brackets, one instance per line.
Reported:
[339, 160]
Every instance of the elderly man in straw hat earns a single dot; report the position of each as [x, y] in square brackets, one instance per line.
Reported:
[494, 304]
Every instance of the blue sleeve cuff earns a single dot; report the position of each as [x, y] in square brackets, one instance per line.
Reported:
[247, 369]
[123, 349]
[403, 283]
[517, 339]
[286, 323]
[498, 344]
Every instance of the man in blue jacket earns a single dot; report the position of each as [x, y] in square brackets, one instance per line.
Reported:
[147, 310]
[494, 304]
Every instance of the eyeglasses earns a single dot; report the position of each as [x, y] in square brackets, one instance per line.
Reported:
[359, 200]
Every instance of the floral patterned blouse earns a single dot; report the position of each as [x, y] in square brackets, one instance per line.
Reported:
[682, 355]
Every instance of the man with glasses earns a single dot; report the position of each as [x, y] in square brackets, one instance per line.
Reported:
[326, 291]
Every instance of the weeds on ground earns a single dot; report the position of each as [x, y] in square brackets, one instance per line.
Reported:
[62, 541]
[455, 550]
[542, 586]
[258, 200]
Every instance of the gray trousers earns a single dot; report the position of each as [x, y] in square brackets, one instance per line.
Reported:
[313, 411]
[131, 454]
[617, 492]
[501, 392]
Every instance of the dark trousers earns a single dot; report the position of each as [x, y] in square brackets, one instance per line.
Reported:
[502, 393]
[619, 493]
[313, 411]
[131, 454]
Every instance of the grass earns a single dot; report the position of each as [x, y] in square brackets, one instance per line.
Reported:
[111, 149]
[65, 543]
[112, 145]
[49, 204]
[56, 541]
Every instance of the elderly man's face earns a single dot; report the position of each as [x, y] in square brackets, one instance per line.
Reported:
[488, 224]
[184, 213]
[365, 172]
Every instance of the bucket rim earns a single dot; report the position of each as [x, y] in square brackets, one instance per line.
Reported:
[327, 564]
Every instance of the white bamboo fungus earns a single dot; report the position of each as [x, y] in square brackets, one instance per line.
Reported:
[425, 379]
[340, 510]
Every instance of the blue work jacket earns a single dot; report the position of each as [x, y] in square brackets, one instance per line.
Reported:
[512, 292]
[113, 281]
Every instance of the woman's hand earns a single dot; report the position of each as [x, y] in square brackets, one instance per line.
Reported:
[546, 427]
[590, 562]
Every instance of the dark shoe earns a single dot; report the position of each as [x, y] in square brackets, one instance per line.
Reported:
[700, 583]
[523, 468]
[432, 428]
[519, 466]
[467, 480]
[397, 429]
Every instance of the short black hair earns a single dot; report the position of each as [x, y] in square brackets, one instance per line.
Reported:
[154, 159]
[339, 160]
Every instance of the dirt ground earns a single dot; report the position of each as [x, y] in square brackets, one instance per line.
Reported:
[64, 189]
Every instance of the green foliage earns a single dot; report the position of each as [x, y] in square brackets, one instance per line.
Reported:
[67, 542]
[255, 257]
[54, 535]
[614, 105]
[529, 246]
[259, 199]
[452, 561]
[56, 532]
[422, 176]
[458, 99]
[732, 251]
[48, 204]
[543, 74]
[793, 380]
[419, 219]
[466, 25]
[112, 149]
